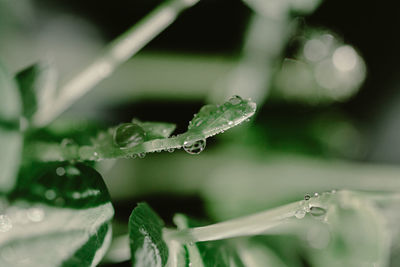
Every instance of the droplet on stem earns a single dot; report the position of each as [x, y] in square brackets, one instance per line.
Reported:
[60, 171]
[300, 214]
[317, 211]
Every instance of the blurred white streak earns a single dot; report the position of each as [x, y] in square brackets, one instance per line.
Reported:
[118, 52]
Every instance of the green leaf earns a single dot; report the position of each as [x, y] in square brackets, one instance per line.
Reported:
[211, 120]
[145, 232]
[10, 137]
[367, 244]
[59, 208]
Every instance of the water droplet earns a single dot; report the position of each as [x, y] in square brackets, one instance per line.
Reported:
[171, 150]
[87, 153]
[72, 171]
[128, 135]
[300, 214]
[230, 122]
[316, 195]
[194, 147]
[317, 211]
[307, 197]
[60, 171]
[35, 214]
[333, 191]
[141, 155]
[50, 194]
[5, 223]
[234, 100]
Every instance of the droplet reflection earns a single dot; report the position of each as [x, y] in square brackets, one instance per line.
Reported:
[194, 147]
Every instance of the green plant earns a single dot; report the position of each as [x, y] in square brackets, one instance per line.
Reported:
[53, 199]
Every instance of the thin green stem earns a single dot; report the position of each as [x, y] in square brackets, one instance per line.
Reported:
[117, 52]
[246, 226]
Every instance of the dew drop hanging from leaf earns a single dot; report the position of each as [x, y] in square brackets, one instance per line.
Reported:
[194, 147]
[128, 135]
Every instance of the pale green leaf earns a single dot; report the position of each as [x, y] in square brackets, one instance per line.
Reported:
[59, 215]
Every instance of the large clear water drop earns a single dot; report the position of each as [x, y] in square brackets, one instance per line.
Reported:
[194, 147]
[129, 135]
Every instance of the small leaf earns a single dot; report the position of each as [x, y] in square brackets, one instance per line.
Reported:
[145, 231]
[211, 120]
[59, 208]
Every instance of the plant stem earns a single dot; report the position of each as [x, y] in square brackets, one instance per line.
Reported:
[119, 51]
[250, 225]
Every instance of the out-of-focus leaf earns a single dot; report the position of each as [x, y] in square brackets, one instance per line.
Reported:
[145, 231]
[357, 234]
[10, 137]
[59, 215]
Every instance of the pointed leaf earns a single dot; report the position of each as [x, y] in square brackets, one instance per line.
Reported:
[145, 232]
